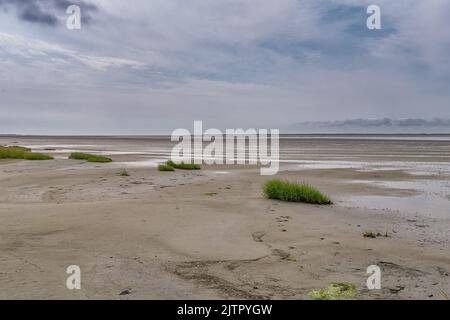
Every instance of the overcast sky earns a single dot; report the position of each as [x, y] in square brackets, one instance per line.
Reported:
[151, 66]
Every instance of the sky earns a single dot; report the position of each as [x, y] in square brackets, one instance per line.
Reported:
[152, 66]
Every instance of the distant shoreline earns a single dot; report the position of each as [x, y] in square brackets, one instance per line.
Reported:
[442, 137]
[140, 136]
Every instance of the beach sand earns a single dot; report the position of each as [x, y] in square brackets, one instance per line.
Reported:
[211, 234]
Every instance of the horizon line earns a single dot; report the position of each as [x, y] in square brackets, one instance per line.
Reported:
[4, 135]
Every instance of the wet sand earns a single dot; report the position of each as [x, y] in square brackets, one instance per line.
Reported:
[211, 234]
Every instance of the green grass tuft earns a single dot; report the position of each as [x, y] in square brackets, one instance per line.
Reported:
[89, 157]
[184, 166]
[171, 166]
[170, 163]
[294, 192]
[165, 167]
[124, 173]
[19, 148]
[370, 234]
[16, 152]
[36, 156]
[334, 291]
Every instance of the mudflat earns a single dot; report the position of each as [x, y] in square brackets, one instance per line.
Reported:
[211, 233]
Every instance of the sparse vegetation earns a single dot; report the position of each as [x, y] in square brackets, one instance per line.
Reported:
[89, 157]
[171, 166]
[19, 148]
[184, 166]
[165, 167]
[444, 294]
[369, 234]
[36, 156]
[124, 173]
[17, 152]
[295, 192]
[334, 291]
[170, 163]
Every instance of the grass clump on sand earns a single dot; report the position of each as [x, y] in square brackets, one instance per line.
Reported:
[165, 167]
[183, 166]
[16, 152]
[294, 192]
[334, 291]
[36, 156]
[171, 166]
[88, 157]
[18, 148]
[373, 235]
[124, 173]
[370, 234]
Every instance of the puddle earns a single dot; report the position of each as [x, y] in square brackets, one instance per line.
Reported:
[138, 164]
[432, 199]
[423, 204]
[412, 167]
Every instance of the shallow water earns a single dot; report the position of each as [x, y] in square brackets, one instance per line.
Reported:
[432, 198]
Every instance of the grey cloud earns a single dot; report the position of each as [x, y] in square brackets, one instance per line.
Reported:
[438, 122]
[35, 14]
[46, 12]
[378, 123]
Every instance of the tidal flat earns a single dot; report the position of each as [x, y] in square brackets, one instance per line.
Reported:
[211, 233]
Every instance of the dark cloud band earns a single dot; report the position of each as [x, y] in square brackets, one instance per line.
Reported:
[46, 12]
[378, 123]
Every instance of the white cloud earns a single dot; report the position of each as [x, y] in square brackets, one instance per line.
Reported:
[17, 46]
